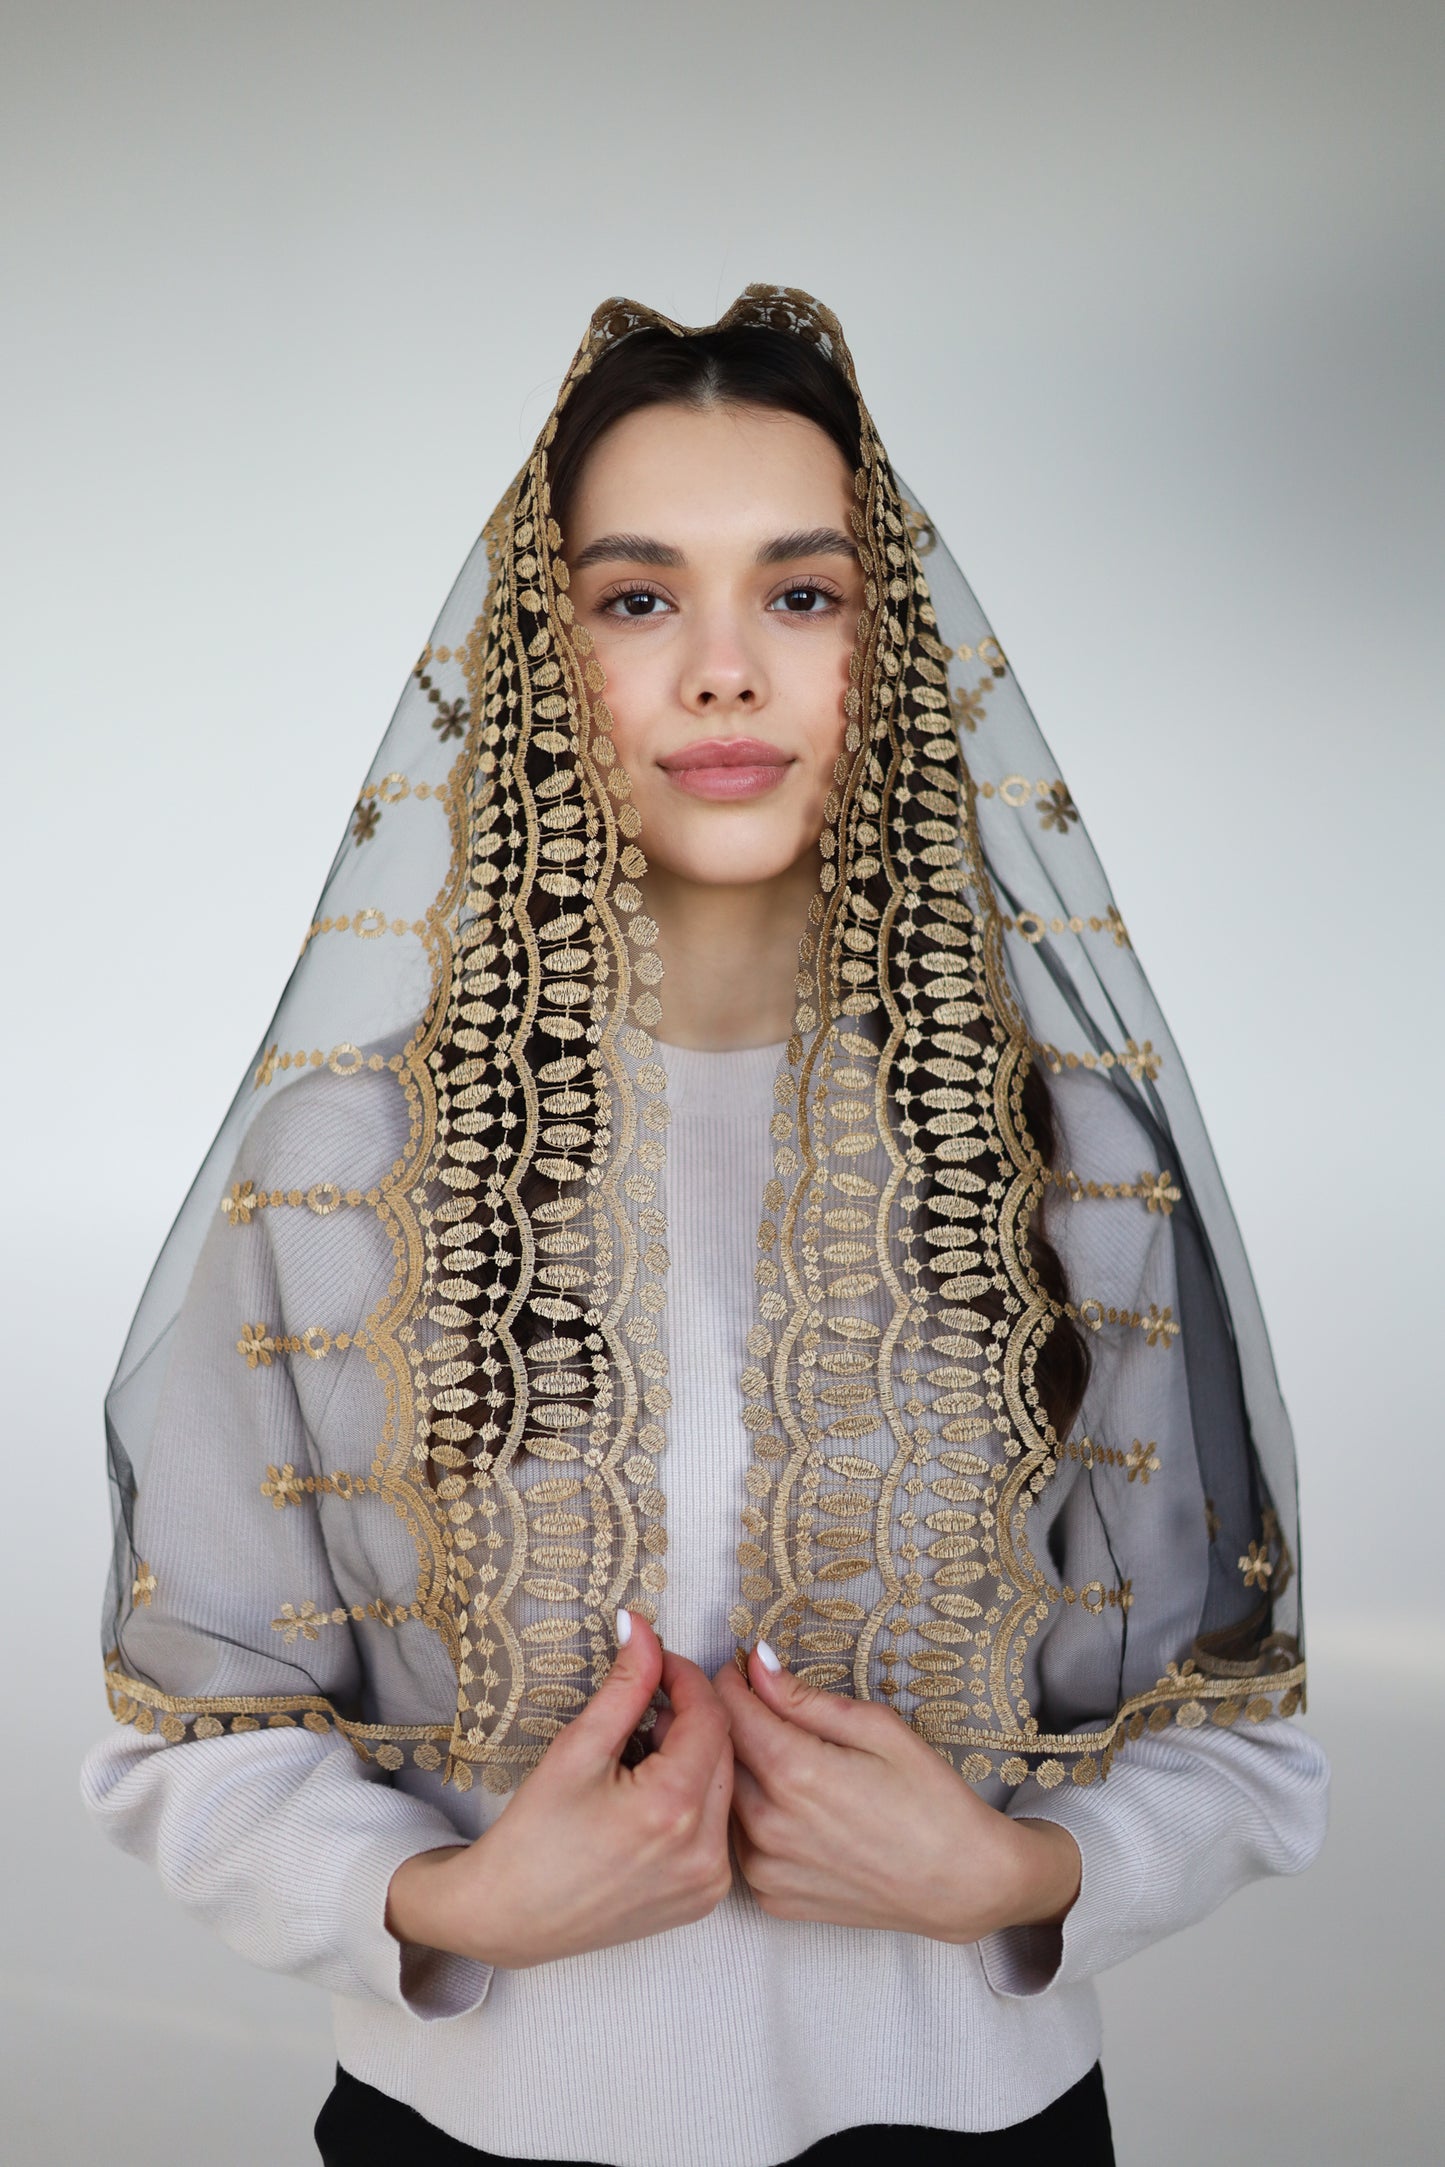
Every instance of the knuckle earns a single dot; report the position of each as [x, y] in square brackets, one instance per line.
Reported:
[684, 1822]
[715, 1719]
[803, 1778]
[763, 1880]
[670, 1816]
[760, 1819]
[711, 1872]
[719, 1885]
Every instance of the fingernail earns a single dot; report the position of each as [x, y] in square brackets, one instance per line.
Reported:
[767, 1658]
[624, 1627]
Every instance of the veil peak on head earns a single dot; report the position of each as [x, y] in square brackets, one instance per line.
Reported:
[1016, 1456]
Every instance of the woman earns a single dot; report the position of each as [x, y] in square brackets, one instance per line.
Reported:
[718, 1118]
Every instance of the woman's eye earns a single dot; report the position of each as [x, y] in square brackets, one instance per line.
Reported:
[802, 601]
[637, 602]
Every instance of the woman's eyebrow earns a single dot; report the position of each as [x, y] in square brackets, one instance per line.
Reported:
[812, 542]
[664, 556]
[629, 549]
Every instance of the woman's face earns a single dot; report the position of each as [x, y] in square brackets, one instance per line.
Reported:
[712, 563]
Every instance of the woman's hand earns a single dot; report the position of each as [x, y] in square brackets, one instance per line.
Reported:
[589, 1853]
[841, 1812]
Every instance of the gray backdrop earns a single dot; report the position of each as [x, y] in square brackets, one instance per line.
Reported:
[1148, 300]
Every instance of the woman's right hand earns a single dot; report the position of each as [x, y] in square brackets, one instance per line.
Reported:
[588, 1853]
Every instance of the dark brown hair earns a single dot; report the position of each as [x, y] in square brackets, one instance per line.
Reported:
[747, 365]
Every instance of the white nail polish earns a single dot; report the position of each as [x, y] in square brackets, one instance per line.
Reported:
[624, 1627]
[767, 1658]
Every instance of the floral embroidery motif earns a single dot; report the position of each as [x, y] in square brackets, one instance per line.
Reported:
[1159, 1326]
[1058, 809]
[968, 707]
[364, 826]
[1142, 1462]
[143, 1587]
[240, 1204]
[285, 1487]
[258, 1343]
[452, 717]
[322, 1198]
[306, 1620]
[1157, 1191]
[1256, 1566]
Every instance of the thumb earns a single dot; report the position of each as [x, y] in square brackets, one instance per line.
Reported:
[840, 1721]
[615, 1709]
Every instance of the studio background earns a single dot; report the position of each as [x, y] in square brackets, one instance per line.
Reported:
[1147, 301]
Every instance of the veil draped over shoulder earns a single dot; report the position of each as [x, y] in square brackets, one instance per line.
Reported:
[438, 1204]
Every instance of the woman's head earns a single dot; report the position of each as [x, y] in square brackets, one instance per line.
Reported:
[704, 487]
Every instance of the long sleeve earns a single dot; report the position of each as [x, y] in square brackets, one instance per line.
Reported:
[282, 1844]
[1186, 1816]
[1184, 1820]
[281, 1839]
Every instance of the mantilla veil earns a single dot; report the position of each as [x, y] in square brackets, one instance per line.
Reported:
[463, 1066]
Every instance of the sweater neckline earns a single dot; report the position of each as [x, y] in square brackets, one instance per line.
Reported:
[719, 1082]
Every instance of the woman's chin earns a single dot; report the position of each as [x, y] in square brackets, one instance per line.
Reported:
[711, 845]
[723, 864]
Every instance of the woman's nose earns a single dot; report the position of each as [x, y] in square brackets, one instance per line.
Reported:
[722, 669]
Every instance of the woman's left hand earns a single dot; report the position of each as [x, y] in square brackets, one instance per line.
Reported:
[842, 1813]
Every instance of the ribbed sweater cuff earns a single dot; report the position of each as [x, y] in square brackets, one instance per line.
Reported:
[1022, 1961]
[430, 1984]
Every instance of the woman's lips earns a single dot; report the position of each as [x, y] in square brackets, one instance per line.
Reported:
[727, 767]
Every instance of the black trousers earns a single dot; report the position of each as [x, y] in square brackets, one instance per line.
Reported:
[362, 2127]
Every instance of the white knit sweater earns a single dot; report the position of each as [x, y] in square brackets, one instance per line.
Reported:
[740, 2040]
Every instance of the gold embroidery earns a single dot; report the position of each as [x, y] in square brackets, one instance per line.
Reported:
[322, 1198]
[967, 707]
[1059, 811]
[1159, 1326]
[258, 1343]
[1032, 926]
[1095, 1598]
[1140, 1062]
[285, 1487]
[1018, 791]
[988, 651]
[342, 1060]
[452, 717]
[143, 1587]
[367, 925]
[306, 1620]
[394, 788]
[133, 1700]
[898, 1436]
[1156, 1191]
[1142, 1462]
[1256, 1566]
